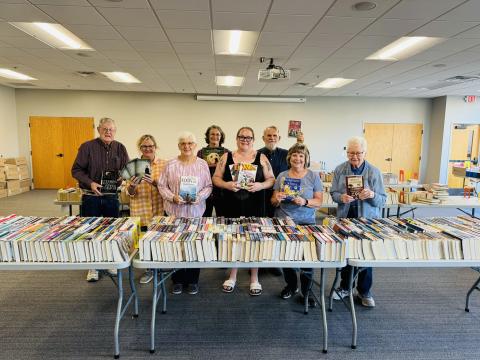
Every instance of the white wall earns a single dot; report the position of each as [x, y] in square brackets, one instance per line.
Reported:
[435, 155]
[327, 121]
[8, 123]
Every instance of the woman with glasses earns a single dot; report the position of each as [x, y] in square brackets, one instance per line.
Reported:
[145, 200]
[366, 202]
[244, 198]
[178, 202]
[214, 137]
[300, 206]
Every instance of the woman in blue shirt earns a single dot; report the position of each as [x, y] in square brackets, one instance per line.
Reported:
[299, 206]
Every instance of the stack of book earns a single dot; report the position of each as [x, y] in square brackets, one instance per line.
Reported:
[171, 239]
[66, 239]
[439, 238]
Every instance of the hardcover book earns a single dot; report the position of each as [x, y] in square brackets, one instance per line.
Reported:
[212, 155]
[137, 168]
[291, 187]
[246, 175]
[109, 182]
[188, 188]
[354, 185]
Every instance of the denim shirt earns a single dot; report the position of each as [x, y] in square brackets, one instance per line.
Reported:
[372, 178]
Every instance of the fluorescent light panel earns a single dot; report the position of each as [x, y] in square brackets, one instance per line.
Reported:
[251, 98]
[54, 35]
[405, 47]
[234, 42]
[121, 77]
[10, 74]
[229, 80]
[333, 83]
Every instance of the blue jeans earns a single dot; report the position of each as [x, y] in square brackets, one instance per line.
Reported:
[106, 205]
[364, 282]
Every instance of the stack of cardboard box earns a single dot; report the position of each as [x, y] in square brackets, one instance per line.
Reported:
[15, 175]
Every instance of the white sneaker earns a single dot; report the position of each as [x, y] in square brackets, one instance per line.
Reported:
[340, 293]
[113, 272]
[92, 275]
[366, 299]
[146, 277]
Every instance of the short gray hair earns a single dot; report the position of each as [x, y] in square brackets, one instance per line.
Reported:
[357, 140]
[106, 120]
[187, 135]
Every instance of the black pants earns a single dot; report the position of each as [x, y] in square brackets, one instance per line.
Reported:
[186, 276]
[106, 205]
[364, 281]
[306, 276]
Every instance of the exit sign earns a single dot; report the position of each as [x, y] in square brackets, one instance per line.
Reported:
[470, 99]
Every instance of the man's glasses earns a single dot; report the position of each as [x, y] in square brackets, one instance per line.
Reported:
[145, 147]
[357, 154]
[245, 138]
[107, 130]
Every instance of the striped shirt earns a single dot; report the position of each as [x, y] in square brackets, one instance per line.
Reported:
[147, 202]
[169, 186]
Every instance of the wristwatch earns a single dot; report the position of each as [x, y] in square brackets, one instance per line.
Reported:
[306, 202]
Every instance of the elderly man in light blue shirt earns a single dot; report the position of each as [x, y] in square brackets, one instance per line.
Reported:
[368, 204]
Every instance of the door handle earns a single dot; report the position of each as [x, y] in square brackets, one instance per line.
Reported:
[59, 155]
[388, 159]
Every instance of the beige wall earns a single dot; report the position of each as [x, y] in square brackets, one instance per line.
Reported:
[8, 123]
[327, 121]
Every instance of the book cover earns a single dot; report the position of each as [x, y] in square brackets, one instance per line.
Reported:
[246, 174]
[188, 188]
[109, 182]
[142, 167]
[294, 127]
[354, 185]
[130, 166]
[291, 187]
[234, 171]
[212, 155]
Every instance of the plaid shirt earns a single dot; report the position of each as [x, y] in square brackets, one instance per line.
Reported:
[147, 202]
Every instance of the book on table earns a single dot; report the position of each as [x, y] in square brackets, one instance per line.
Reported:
[188, 188]
[354, 185]
[291, 188]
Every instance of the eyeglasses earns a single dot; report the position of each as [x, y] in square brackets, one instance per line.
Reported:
[107, 129]
[145, 147]
[245, 138]
[357, 154]
[187, 143]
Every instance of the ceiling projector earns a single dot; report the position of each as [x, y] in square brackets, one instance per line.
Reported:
[272, 72]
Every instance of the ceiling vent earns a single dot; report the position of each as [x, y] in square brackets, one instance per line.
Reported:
[21, 84]
[86, 74]
[454, 80]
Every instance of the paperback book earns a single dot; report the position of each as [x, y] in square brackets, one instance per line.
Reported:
[188, 188]
[291, 188]
[244, 174]
[354, 185]
[137, 168]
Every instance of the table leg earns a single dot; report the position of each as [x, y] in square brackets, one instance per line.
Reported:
[324, 314]
[352, 309]
[154, 311]
[474, 287]
[133, 290]
[119, 314]
[332, 290]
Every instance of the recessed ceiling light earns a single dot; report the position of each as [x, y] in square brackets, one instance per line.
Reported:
[333, 83]
[121, 77]
[364, 6]
[439, 65]
[229, 80]
[404, 47]
[54, 35]
[10, 74]
[234, 42]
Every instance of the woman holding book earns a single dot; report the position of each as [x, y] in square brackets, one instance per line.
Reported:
[357, 188]
[297, 194]
[185, 185]
[244, 174]
[214, 137]
[145, 200]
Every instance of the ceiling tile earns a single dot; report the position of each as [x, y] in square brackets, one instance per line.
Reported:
[152, 46]
[193, 48]
[86, 32]
[117, 44]
[129, 4]
[392, 27]
[129, 17]
[345, 8]
[370, 42]
[301, 7]
[342, 25]
[201, 5]
[190, 36]
[444, 28]
[81, 15]
[276, 51]
[22, 12]
[249, 6]
[472, 33]
[290, 23]
[280, 38]
[171, 19]
[421, 9]
[238, 21]
[142, 33]
[466, 12]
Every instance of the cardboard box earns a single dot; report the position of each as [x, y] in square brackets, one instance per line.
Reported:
[3, 193]
[13, 184]
[2, 174]
[23, 172]
[24, 189]
[16, 161]
[3, 185]
[11, 192]
[2, 161]
[459, 171]
[11, 172]
[27, 183]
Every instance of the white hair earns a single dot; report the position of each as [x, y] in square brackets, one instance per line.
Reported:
[357, 140]
[105, 120]
[187, 135]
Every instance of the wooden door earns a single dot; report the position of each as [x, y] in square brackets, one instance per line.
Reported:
[54, 143]
[379, 145]
[406, 149]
